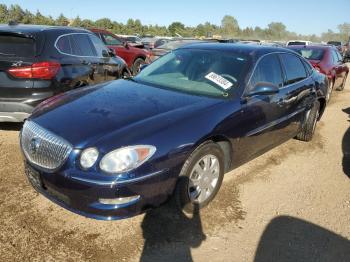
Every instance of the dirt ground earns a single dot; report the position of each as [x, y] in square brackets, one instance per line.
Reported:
[291, 204]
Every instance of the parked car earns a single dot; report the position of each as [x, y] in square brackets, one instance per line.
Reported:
[338, 45]
[37, 62]
[298, 42]
[133, 40]
[154, 42]
[327, 60]
[116, 149]
[134, 57]
[171, 45]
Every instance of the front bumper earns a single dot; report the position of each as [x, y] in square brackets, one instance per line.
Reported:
[82, 196]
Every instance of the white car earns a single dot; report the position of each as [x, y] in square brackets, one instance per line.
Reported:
[298, 42]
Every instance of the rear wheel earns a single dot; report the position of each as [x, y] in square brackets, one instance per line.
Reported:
[136, 66]
[329, 90]
[200, 178]
[341, 88]
[309, 125]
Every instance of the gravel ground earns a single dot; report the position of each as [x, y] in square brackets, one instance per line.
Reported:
[291, 204]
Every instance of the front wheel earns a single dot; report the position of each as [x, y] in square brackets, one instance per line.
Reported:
[136, 66]
[309, 125]
[200, 178]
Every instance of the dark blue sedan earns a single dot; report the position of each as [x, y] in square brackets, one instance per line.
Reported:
[114, 150]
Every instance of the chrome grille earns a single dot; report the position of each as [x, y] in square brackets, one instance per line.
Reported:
[43, 148]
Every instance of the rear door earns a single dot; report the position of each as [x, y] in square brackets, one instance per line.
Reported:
[338, 68]
[299, 91]
[15, 50]
[107, 64]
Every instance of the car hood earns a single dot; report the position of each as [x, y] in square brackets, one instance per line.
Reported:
[85, 115]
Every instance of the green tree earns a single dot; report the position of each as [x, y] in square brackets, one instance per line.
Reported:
[15, 13]
[344, 30]
[3, 13]
[62, 20]
[277, 30]
[176, 28]
[229, 26]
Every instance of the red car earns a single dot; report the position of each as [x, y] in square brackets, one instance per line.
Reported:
[134, 57]
[327, 60]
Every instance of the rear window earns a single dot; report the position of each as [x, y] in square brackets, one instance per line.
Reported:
[311, 54]
[334, 43]
[296, 43]
[15, 46]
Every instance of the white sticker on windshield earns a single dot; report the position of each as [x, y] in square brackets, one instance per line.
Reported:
[219, 80]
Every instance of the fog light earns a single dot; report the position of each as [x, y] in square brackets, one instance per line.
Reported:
[118, 201]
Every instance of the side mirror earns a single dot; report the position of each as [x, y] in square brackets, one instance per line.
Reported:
[143, 66]
[105, 53]
[111, 52]
[264, 88]
[125, 44]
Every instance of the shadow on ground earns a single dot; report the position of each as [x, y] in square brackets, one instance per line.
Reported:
[169, 235]
[11, 126]
[291, 239]
[346, 147]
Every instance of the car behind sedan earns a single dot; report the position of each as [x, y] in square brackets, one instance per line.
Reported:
[114, 150]
[328, 61]
[37, 62]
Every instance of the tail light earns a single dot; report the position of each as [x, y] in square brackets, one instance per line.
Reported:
[41, 70]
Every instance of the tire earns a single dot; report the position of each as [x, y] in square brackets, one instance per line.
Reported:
[125, 74]
[341, 88]
[309, 125]
[136, 66]
[186, 197]
[329, 90]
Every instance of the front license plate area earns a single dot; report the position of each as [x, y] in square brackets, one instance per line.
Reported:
[33, 177]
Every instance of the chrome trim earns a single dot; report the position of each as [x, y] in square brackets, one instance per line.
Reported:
[42, 148]
[116, 182]
[274, 123]
[63, 53]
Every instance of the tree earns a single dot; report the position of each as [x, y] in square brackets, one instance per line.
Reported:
[3, 13]
[176, 28]
[277, 30]
[15, 13]
[76, 22]
[344, 30]
[62, 20]
[229, 26]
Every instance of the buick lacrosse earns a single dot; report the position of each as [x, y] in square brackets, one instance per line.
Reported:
[114, 150]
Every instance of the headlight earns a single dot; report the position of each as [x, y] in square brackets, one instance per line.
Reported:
[88, 157]
[126, 158]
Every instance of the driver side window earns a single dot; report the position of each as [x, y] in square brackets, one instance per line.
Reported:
[268, 70]
[111, 40]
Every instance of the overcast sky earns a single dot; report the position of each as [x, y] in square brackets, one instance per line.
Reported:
[301, 16]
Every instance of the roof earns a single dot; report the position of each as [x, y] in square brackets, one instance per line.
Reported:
[34, 29]
[324, 47]
[256, 50]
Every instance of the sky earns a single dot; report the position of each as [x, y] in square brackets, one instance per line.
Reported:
[300, 16]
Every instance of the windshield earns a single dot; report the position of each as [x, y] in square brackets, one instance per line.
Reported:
[195, 71]
[311, 54]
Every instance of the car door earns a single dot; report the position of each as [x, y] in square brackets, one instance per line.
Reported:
[107, 63]
[263, 116]
[299, 91]
[115, 43]
[84, 49]
[338, 68]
